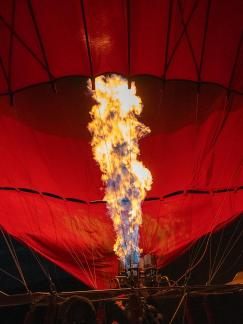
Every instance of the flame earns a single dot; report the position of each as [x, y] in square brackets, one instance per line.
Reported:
[115, 133]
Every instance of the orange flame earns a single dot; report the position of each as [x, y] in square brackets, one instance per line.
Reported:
[115, 133]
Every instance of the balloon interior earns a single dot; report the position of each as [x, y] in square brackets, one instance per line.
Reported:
[116, 130]
[100, 213]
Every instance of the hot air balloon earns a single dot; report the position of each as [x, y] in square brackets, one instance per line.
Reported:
[186, 59]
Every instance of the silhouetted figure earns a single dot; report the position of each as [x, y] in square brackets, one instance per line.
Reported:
[76, 310]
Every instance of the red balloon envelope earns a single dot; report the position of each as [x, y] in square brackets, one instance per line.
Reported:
[51, 193]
